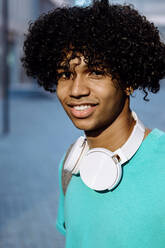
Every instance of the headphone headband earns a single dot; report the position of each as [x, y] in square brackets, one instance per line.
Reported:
[134, 141]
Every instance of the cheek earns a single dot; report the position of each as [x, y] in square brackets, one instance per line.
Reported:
[63, 90]
[112, 101]
[60, 93]
[110, 95]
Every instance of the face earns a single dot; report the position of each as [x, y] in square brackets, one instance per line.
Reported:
[89, 97]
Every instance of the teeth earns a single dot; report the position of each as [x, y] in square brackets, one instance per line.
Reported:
[82, 107]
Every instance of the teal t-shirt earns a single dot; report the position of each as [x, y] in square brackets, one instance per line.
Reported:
[130, 216]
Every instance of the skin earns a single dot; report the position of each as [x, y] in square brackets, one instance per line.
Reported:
[108, 121]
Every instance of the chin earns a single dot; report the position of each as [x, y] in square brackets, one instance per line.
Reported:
[92, 127]
[83, 125]
[88, 126]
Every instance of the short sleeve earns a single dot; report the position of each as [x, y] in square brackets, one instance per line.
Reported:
[60, 222]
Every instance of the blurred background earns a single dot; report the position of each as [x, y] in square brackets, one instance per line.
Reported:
[35, 132]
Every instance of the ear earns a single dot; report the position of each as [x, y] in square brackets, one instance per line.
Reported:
[129, 91]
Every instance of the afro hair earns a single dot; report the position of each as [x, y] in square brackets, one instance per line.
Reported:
[111, 36]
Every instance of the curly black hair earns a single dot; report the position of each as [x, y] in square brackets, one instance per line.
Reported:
[112, 36]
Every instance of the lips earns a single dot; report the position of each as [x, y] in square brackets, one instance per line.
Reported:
[82, 110]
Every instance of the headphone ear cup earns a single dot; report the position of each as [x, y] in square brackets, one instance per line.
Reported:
[75, 154]
[99, 171]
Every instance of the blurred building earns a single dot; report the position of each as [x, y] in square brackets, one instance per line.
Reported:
[20, 13]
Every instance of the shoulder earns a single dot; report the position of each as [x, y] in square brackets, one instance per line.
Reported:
[60, 216]
[153, 147]
[159, 140]
[157, 154]
[60, 170]
[155, 137]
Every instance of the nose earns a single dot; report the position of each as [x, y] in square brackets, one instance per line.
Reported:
[79, 87]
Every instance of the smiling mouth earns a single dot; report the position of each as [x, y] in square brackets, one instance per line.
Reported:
[82, 111]
[82, 107]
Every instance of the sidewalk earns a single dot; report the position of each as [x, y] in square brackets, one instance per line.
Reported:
[29, 156]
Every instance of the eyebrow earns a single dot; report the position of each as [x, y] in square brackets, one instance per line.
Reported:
[65, 67]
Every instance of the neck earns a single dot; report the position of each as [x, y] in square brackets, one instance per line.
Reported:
[115, 135]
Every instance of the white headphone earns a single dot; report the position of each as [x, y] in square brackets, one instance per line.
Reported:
[99, 168]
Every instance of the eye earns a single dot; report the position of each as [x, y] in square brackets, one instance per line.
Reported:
[97, 73]
[64, 75]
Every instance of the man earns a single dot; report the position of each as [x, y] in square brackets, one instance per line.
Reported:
[95, 57]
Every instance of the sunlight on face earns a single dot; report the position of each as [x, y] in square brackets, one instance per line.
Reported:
[89, 96]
